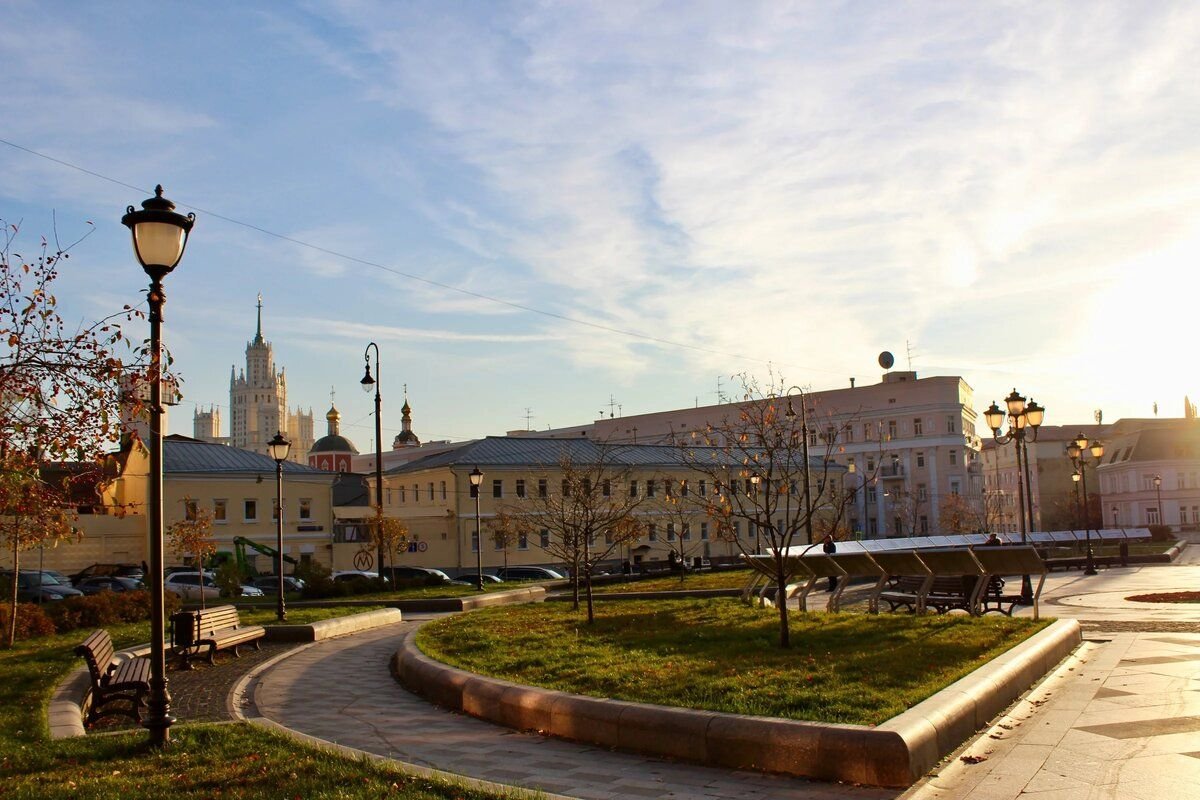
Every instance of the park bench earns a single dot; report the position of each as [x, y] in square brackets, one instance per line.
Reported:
[116, 688]
[213, 629]
[1008, 561]
[909, 578]
[857, 565]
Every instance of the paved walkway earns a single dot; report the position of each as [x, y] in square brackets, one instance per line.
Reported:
[1121, 719]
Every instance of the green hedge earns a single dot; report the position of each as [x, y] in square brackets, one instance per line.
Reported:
[89, 611]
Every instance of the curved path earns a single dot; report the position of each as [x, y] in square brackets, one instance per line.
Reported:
[342, 691]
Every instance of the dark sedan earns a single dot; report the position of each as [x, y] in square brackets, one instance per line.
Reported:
[109, 583]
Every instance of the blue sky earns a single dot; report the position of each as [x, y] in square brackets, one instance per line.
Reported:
[1012, 188]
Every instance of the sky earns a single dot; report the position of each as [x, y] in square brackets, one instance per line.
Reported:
[544, 211]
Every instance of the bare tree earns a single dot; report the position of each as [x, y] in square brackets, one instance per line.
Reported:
[193, 535]
[589, 518]
[769, 497]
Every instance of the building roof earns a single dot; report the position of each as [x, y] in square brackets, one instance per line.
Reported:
[1178, 442]
[522, 451]
[333, 443]
[181, 454]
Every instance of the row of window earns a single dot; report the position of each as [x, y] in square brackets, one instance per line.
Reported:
[220, 510]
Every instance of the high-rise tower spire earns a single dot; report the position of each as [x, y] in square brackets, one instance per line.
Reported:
[258, 332]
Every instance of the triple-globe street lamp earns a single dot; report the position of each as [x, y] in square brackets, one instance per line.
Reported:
[279, 447]
[1077, 450]
[1022, 416]
[476, 476]
[160, 236]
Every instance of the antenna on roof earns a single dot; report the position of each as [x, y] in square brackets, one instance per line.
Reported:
[528, 416]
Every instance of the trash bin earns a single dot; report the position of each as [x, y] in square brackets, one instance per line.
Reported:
[1124, 553]
[183, 630]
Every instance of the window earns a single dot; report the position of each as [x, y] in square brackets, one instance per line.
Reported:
[650, 488]
[190, 511]
[544, 536]
[922, 492]
[520, 487]
[737, 528]
[812, 438]
[498, 487]
[898, 526]
[305, 508]
[1180, 482]
[1195, 514]
[522, 541]
[924, 524]
[953, 458]
[606, 488]
[274, 509]
[1148, 482]
[866, 431]
[499, 542]
[683, 488]
[704, 531]
[1152, 515]
[670, 531]
[388, 496]
[403, 497]
[474, 542]
[250, 511]
[416, 493]
[917, 427]
[686, 531]
[542, 490]
[668, 487]
[870, 465]
[633, 489]
[443, 487]
[871, 496]
[652, 529]
[920, 459]
[702, 488]
[950, 423]
[954, 487]
[891, 429]
[430, 485]
[219, 513]
[566, 488]
[830, 433]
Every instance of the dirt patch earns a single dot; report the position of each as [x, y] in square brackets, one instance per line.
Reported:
[1166, 597]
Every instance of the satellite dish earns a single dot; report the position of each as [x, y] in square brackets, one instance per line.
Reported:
[886, 360]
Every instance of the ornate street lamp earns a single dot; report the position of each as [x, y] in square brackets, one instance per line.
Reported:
[1077, 450]
[1021, 417]
[160, 236]
[476, 477]
[1162, 514]
[279, 447]
[368, 383]
[755, 480]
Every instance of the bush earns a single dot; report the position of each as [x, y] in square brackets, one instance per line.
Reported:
[106, 608]
[229, 579]
[31, 621]
[1161, 533]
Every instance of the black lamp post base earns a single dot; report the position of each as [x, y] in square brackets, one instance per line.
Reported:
[1026, 591]
[159, 728]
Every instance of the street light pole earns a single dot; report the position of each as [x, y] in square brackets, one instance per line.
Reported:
[755, 480]
[1077, 450]
[159, 238]
[279, 447]
[476, 481]
[1162, 514]
[791, 414]
[1021, 417]
[368, 383]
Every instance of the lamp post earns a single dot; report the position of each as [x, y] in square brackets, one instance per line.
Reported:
[368, 383]
[791, 415]
[755, 480]
[1116, 511]
[476, 477]
[1077, 451]
[279, 447]
[1162, 514]
[1021, 416]
[160, 235]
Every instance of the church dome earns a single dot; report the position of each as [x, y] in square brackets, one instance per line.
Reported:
[334, 443]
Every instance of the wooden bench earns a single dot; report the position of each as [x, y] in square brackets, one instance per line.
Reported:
[909, 591]
[994, 598]
[214, 629]
[1011, 560]
[116, 688]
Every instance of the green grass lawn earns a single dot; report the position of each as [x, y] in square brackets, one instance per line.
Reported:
[721, 655]
[726, 579]
[236, 760]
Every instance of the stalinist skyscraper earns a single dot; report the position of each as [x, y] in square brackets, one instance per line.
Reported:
[258, 405]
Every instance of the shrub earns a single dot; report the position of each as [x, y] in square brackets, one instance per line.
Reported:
[31, 620]
[229, 579]
[1161, 533]
[106, 608]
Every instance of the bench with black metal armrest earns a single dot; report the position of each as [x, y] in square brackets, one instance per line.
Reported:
[116, 688]
[211, 629]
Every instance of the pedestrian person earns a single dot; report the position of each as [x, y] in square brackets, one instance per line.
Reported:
[828, 545]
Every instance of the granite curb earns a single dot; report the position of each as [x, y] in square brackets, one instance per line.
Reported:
[336, 626]
[530, 594]
[894, 754]
[657, 595]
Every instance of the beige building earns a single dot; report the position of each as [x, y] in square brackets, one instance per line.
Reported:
[1138, 452]
[236, 487]
[915, 435]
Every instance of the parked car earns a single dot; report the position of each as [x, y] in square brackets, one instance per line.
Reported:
[353, 575]
[109, 583]
[34, 586]
[269, 583]
[121, 570]
[469, 577]
[190, 585]
[250, 590]
[407, 573]
[63, 579]
[528, 574]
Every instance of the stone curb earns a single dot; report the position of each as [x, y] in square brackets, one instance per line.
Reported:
[663, 595]
[68, 703]
[529, 594]
[894, 754]
[337, 626]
